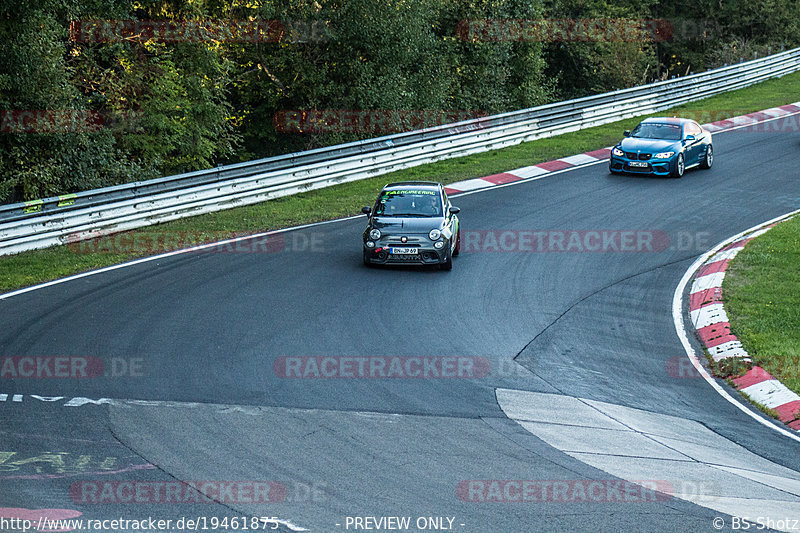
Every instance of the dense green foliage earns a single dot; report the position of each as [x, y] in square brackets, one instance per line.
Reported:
[155, 105]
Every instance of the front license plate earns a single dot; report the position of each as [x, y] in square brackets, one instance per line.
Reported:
[640, 164]
[403, 251]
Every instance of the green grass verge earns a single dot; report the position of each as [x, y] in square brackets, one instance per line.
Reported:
[762, 300]
[347, 199]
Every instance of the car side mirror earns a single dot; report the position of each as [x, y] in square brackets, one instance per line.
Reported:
[366, 210]
[626, 133]
[454, 210]
[690, 137]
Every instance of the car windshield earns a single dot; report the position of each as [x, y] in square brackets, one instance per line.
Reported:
[656, 130]
[409, 203]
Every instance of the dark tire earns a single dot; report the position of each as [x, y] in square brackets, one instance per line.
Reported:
[448, 263]
[366, 260]
[457, 249]
[680, 167]
[708, 160]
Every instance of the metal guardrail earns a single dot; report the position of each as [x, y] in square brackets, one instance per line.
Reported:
[53, 221]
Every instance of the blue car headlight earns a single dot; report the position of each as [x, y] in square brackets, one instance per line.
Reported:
[375, 234]
[664, 155]
[616, 151]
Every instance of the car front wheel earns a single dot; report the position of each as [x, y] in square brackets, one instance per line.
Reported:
[680, 167]
[708, 160]
[457, 249]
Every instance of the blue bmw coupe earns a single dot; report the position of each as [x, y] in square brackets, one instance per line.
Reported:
[663, 147]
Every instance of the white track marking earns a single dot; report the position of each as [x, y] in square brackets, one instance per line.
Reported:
[579, 159]
[770, 393]
[169, 254]
[708, 315]
[529, 172]
[727, 255]
[727, 350]
[470, 185]
[690, 461]
[709, 281]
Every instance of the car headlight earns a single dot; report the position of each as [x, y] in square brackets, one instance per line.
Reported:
[434, 234]
[664, 155]
[375, 234]
[438, 244]
[370, 244]
[617, 151]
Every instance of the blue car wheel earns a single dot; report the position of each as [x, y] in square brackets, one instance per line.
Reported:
[680, 167]
[708, 160]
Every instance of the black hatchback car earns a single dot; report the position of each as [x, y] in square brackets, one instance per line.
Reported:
[412, 222]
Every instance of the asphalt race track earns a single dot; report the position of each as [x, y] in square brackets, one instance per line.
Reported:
[197, 336]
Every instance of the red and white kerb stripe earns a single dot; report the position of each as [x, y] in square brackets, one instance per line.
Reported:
[713, 328]
[528, 172]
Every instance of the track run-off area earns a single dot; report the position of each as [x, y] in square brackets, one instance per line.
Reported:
[517, 392]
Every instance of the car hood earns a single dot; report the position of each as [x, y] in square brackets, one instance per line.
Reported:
[407, 225]
[632, 144]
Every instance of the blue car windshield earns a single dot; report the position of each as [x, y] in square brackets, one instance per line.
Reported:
[409, 203]
[656, 130]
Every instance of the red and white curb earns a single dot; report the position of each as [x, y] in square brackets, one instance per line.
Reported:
[752, 118]
[711, 325]
[532, 171]
[542, 169]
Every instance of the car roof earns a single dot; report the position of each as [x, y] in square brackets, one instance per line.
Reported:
[668, 120]
[413, 184]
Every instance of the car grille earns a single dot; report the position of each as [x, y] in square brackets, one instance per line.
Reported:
[412, 258]
[394, 240]
[634, 155]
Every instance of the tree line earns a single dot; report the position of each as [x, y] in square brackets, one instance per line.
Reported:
[100, 92]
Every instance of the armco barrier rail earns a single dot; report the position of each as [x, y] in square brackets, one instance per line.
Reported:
[58, 220]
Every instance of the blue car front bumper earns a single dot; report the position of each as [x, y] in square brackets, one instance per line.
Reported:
[656, 167]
